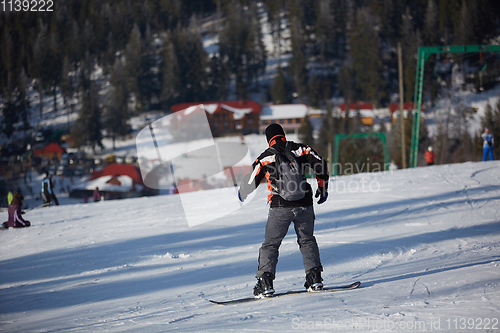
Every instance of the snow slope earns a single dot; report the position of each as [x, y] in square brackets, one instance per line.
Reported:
[424, 243]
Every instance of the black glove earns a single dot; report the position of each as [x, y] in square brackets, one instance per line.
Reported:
[322, 193]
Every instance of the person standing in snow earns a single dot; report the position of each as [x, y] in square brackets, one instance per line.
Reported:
[16, 219]
[488, 142]
[48, 190]
[96, 196]
[282, 211]
[430, 156]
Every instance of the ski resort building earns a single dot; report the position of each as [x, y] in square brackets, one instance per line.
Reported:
[365, 110]
[229, 117]
[115, 181]
[51, 151]
[289, 116]
[394, 108]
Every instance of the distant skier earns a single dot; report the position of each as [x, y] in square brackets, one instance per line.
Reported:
[96, 196]
[16, 219]
[488, 142]
[275, 164]
[430, 156]
[48, 190]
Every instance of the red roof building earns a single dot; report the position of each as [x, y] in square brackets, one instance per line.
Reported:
[394, 108]
[51, 150]
[229, 116]
[365, 110]
[116, 169]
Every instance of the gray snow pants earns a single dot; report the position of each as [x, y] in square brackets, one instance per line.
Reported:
[278, 221]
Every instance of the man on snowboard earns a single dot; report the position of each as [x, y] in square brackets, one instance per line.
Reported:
[275, 164]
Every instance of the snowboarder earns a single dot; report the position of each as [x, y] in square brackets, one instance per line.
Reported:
[284, 211]
[430, 156]
[488, 142]
[48, 190]
[15, 214]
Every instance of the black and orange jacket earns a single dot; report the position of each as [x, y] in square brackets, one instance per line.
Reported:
[265, 167]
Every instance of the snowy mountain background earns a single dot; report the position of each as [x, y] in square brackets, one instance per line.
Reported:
[64, 116]
[423, 242]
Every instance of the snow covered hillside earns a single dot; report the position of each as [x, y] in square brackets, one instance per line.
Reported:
[423, 242]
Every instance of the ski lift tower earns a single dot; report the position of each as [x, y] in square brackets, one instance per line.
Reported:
[424, 54]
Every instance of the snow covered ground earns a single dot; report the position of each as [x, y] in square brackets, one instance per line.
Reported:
[423, 242]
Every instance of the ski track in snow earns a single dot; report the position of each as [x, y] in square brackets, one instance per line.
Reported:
[425, 247]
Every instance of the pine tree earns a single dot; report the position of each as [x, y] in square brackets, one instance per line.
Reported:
[306, 131]
[464, 27]
[41, 54]
[314, 96]
[16, 105]
[274, 8]
[430, 34]
[170, 74]
[280, 91]
[55, 63]
[386, 10]
[256, 51]
[367, 59]
[240, 42]
[133, 55]
[7, 54]
[347, 82]
[116, 111]
[169, 13]
[409, 44]
[299, 59]
[192, 61]
[326, 134]
[325, 28]
[88, 129]
[218, 78]
[149, 79]
[68, 86]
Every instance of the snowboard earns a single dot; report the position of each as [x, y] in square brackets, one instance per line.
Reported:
[351, 286]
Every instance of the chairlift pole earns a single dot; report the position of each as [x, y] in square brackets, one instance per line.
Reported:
[424, 53]
[401, 106]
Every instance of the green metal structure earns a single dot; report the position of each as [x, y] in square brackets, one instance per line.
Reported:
[339, 137]
[423, 55]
